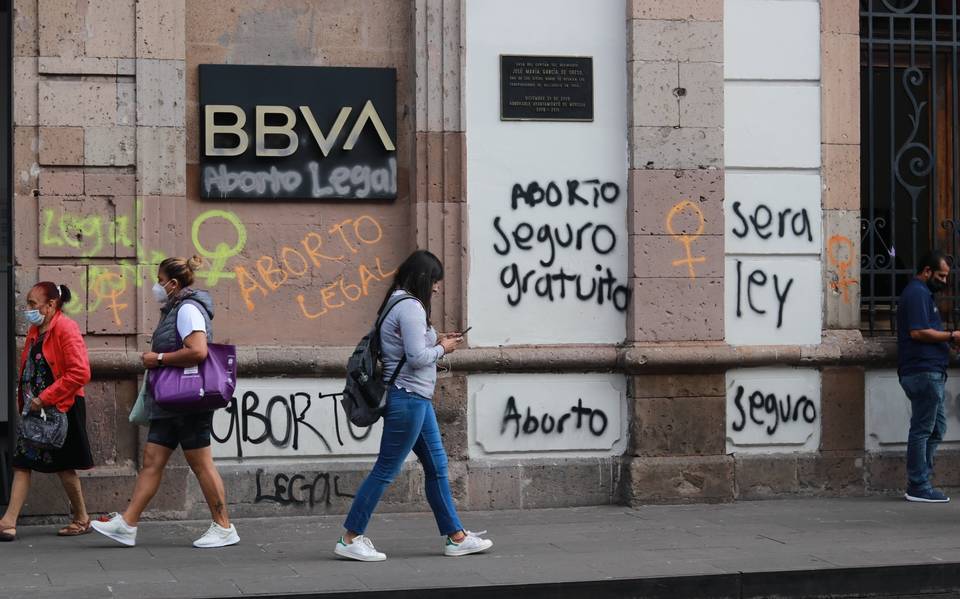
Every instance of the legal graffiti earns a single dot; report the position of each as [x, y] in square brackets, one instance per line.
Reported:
[314, 250]
[302, 488]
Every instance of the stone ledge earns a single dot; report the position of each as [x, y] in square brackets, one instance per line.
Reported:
[838, 348]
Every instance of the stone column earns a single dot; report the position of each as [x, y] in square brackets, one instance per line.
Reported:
[840, 143]
[438, 206]
[161, 146]
[675, 69]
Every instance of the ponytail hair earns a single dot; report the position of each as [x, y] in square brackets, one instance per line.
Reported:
[52, 291]
[181, 269]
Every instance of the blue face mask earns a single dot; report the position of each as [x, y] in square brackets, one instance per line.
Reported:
[34, 317]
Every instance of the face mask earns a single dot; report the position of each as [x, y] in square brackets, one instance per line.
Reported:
[935, 286]
[160, 293]
[33, 317]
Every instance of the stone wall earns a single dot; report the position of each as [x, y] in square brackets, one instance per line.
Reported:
[106, 182]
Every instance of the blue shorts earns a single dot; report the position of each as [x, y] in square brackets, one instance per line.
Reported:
[189, 431]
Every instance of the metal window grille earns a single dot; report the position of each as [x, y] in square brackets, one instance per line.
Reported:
[910, 198]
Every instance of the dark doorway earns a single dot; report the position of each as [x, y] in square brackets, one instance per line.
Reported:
[7, 343]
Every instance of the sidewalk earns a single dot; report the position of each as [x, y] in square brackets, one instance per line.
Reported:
[658, 551]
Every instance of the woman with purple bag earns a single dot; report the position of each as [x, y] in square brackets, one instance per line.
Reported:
[180, 340]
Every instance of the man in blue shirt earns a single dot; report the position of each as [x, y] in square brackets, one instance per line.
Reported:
[923, 352]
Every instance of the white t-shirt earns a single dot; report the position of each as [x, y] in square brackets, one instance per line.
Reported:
[189, 320]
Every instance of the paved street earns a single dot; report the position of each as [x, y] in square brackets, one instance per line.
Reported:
[701, 548]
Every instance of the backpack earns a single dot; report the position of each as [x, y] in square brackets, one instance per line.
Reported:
[365, 394]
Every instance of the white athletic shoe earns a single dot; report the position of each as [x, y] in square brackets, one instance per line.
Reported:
[218, 536]
[472, 543]
[114, 527]
[361, 549]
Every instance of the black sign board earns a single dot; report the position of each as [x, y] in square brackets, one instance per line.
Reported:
[546, 88]
[297, 132]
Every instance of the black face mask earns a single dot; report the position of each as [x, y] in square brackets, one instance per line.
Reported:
[935, 286]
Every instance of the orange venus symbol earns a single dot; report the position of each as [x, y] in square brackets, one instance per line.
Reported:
[686, 240]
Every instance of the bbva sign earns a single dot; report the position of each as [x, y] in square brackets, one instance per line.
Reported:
[325, 141]
[297, 132]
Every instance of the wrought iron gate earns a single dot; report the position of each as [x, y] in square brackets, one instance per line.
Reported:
[910, 198]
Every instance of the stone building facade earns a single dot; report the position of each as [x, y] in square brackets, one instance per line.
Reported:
[665, 297]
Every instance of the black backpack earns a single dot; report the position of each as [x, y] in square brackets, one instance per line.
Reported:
[365, 394]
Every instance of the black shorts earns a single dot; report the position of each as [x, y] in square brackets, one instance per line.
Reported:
[189, 431]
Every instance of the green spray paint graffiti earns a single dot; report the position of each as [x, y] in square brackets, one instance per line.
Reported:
[109, 287]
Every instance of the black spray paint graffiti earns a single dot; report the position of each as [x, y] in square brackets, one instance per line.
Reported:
[552, 194]
[781, 411]
[759, 278]
[594, 419]
[559, 284]
[763, 218]
[301, 489]
[251, 422]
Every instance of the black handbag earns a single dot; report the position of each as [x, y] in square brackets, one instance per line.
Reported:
[43, 429]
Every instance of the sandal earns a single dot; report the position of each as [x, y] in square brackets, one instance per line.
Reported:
[75, 529]
[5, 536]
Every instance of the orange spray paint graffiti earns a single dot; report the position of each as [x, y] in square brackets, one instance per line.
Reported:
[840, 256]
[267, 274]
[686, 206]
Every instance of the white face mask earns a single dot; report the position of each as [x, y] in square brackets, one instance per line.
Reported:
[160, 293]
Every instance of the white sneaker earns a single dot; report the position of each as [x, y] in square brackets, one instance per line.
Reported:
[361, 549]
[114, 527]
[472, 543]
[218, 536]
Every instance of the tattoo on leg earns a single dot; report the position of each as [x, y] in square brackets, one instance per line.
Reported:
[218, 508]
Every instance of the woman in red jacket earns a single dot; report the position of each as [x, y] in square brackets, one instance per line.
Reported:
[54, 367]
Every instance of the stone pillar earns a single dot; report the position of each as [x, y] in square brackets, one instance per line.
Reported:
[438, 201]
[675, 86]
[439, 162]
[840, 143]
[161, 143]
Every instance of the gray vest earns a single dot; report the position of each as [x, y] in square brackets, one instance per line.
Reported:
[165, 336]
[167, 339]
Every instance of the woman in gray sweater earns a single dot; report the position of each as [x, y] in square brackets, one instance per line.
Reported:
[410, 422]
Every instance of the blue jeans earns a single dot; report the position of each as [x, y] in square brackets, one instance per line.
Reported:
[928, 424]
[409, 423]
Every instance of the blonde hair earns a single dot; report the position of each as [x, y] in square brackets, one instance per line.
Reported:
[181, 269]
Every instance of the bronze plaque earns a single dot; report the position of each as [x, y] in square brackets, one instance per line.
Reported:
[546, 88]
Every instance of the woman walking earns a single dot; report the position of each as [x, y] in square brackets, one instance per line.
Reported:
[180, 340]
[410, 343]
[54, 367]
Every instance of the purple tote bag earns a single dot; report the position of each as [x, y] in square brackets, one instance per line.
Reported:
[207, 386]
